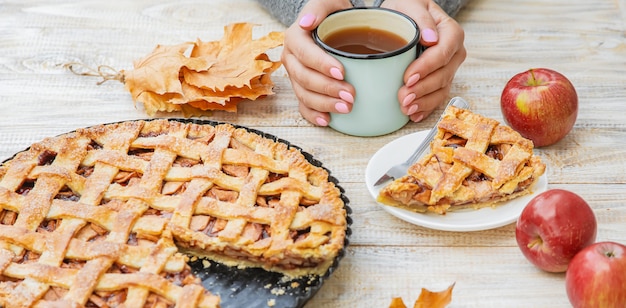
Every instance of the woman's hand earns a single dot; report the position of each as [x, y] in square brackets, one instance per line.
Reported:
[318, 79]
[428, 79]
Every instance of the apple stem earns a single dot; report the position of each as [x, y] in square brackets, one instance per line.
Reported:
[610, 254]
[535, 242]
[533, 81]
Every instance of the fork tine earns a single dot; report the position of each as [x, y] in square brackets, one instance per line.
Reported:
[383, 179]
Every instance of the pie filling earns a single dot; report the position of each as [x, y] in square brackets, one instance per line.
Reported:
[106, 216]
[474, 162]
[176, 273]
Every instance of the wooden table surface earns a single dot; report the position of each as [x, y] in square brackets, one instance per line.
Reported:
[387, 257]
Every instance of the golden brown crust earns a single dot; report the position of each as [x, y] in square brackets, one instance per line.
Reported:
[94, 217]
[474, 162]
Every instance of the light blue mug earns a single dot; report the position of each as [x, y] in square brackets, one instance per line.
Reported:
[376, 77]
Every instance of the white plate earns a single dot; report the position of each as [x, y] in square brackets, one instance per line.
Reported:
[463, 220]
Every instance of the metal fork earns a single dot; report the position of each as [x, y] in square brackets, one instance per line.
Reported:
[400, 170]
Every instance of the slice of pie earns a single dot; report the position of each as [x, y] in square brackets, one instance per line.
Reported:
[473, 162]
[104, 216]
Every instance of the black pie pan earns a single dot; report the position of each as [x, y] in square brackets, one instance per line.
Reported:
[253, 287]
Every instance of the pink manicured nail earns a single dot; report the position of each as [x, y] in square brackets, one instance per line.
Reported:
[429, 35]
[417, 118]
[321, 121]
[412, 110]
[307, 20]
[408, 99]
[341, 107]
[346, 96]
[413, 80]
[336, 73]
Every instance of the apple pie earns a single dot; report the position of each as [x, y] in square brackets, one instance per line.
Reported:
[106, 216]
[474, 162]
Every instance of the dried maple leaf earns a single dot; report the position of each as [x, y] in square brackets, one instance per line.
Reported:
[158, 72]
[427, 299]
[397, 302]
[196, 77]
[229, 70]
[154, 102]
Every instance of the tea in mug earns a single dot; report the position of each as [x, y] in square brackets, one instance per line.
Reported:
[364, 40]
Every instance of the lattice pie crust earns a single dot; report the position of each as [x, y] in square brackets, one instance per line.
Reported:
[473, 162]
[96, 217]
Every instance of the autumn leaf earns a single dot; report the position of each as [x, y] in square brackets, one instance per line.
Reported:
[397, 302]
[229, 70]
[198, 77]
[154, 102]
[427, 299]
[158, 72]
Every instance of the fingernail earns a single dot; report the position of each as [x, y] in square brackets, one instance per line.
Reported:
[321, 121]
[307, 20]
[336, 73]
[412, 80]
[429, 35]
[408, 99]
[346, 96]
[412, 110]
[417, 118]
[342, 107]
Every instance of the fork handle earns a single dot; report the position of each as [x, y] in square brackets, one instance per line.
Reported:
[455, 101]
[424, 145]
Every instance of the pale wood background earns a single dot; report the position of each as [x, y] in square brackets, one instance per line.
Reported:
[387, 257]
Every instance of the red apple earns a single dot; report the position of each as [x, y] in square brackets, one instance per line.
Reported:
[596, 276]
[553, 227]
[540, 104]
